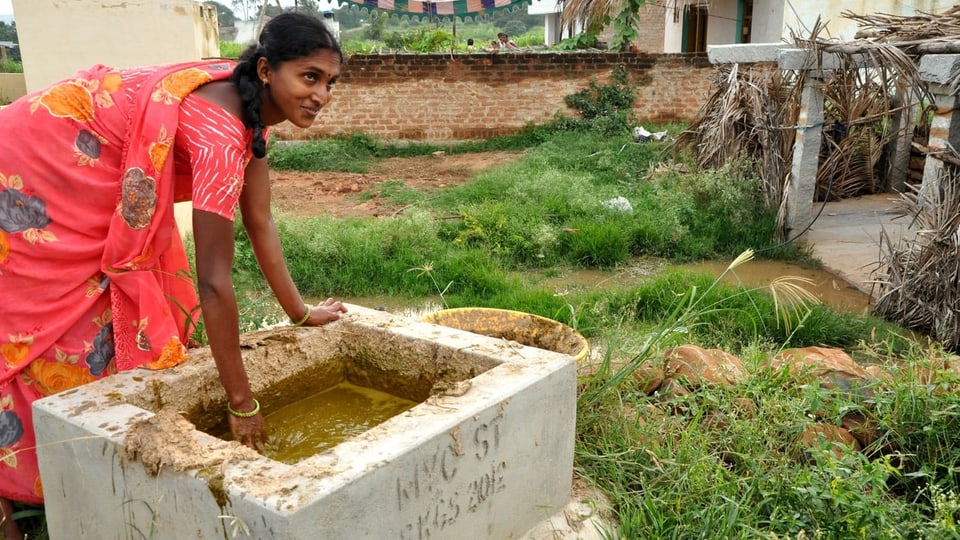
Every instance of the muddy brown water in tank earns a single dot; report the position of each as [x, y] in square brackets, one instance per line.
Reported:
[320, 421]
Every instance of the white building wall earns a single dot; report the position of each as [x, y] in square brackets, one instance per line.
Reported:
[767, 21]
[721, 22]
[58, 38]
[800, 15]
[550, 9]
[673, 29]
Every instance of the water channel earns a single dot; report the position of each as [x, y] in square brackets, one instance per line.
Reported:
[833, 291]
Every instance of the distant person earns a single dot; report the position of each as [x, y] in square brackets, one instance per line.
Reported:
[470, 44]
[93, 276]
[494, 46]
[504, 41]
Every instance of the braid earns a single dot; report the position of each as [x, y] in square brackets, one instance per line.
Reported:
[287, 36]
[248, 85]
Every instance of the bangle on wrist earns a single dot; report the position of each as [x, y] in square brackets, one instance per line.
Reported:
[254, 412]
[305, 316]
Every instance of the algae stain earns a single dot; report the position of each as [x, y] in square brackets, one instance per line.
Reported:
[215, 485]
[157, 388]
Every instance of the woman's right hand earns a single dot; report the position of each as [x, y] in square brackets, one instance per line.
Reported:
[325, 312]
[250, 431]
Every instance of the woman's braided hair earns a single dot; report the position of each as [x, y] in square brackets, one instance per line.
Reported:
[287, 36]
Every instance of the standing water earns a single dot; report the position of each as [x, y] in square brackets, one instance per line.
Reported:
[834, 292]
[320, 421]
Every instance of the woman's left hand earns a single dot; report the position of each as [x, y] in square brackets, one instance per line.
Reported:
[325, 312]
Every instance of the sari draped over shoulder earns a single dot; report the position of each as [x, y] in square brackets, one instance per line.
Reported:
[94, 278]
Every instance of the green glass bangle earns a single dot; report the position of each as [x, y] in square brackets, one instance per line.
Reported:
[254, 412]
[305, 317]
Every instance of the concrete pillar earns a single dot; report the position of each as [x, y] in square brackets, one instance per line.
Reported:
[943, 131]
[938, 70]
[901, 140]
[551, 29]
[806, 156]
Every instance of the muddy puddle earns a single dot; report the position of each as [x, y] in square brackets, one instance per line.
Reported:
[832, 291]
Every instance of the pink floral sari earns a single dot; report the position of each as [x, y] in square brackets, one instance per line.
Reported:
[93, 275]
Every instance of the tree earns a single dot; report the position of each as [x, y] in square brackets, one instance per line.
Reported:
[349, 17]
[378, 21]
[310, 6]
[596, 14]
[225, 15]
[247, 10]
[8, 32]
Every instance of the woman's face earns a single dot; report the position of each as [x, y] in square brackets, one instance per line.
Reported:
[297, 89]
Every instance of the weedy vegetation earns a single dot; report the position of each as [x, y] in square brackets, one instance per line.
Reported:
[697, 464]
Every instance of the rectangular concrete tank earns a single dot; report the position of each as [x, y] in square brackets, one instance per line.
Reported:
[487, 452]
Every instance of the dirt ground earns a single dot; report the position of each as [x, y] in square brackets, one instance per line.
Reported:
[335, 193]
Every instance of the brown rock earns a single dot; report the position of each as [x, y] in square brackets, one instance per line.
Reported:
[864, 429]
[647, 376]
[833, 367]
[878, 374]
[816, 435]
[745, 407]
[704, 367]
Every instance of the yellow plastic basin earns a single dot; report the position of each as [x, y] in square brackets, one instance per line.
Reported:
[524, 328]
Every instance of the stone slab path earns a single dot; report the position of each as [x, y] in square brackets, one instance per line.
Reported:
[846, 235]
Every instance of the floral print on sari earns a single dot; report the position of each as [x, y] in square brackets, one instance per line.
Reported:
[90, 259]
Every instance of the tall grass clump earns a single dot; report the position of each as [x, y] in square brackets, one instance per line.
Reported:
[727, 461]
[738, 315]
[328, 257]
[706, 214]
[11, 66]
[555, 205]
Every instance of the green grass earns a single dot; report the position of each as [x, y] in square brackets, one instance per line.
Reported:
[670, 473]
[687, 465]
[703, 462]
[11, 66]
[231, 49]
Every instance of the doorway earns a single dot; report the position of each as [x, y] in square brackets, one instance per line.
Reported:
[695, 28]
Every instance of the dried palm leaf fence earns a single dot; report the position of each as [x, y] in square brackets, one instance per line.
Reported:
[918, 280]
[753, 115]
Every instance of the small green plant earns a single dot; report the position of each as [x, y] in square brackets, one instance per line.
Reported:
[396, 191]
[11, 66]
[605, 106]
[427, 270]
[231, 49]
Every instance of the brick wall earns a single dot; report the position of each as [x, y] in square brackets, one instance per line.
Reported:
[442, 97]
[650, 27]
